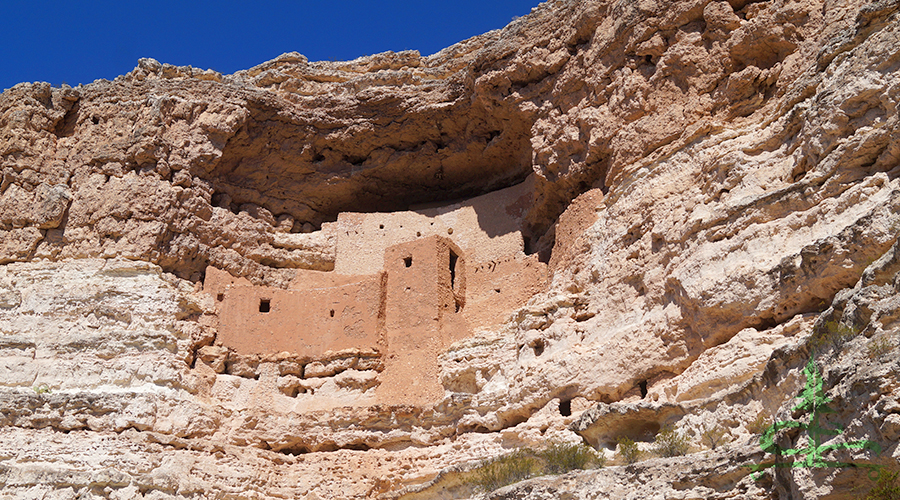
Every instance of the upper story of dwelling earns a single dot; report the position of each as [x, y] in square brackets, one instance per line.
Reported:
[487, 228]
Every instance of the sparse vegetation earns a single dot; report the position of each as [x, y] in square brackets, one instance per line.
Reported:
[41, 389]
[507, 469]
[759, 424]
[833, 333]
[563, 457]
[886, 487]
[669, 443]
[880, 346]
[557, 458]
[628, 450]
[713, 436]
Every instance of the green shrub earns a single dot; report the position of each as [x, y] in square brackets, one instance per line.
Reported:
[669, 443]
[759, 424]
[563, 457]
[886, 488]
[41, 389]
[508, 469]
[628, 450]
[713, 436]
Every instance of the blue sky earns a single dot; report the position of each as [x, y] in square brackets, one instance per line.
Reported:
[79, 42]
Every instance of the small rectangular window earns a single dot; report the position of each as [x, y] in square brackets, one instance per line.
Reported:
[453, 259]
[264, 305]
[408, 261]
[565, 408]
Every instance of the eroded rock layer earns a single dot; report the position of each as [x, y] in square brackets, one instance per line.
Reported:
[712, 186]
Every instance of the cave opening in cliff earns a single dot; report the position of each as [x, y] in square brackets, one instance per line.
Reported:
[432, 155]
[643, 387]
[295, 450]
[565, 408]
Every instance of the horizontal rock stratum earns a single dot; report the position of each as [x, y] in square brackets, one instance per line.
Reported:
[311, 279]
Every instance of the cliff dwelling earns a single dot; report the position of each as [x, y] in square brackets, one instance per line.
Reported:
[711, 234]
[404, 287]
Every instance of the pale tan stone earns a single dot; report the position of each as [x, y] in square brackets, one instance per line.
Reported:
[214, 356]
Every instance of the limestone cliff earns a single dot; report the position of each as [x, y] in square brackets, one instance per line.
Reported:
[712, 185]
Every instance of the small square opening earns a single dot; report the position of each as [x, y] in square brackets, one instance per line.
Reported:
[407, 261]
[220, 297]
[264, 305]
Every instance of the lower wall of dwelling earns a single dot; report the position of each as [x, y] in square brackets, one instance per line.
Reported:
[408, 314]
[260, 320]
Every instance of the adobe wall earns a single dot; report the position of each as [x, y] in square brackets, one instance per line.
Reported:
[342, 314]
[405, 286]
[305, 279]
[425, 300]
[498, 287]
[580, 215]
[486, 227]
[217, 281]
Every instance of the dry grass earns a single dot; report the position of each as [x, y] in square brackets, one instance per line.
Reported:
[713, 436]
[886, 487]
[556, 458]
[508, 469]
[834, 334]
[880, 346]
[563, 457]
[759, 424]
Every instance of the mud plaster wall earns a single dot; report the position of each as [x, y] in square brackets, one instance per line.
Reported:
[425, 302]
[323, 311]
[486, 227]
[404, 285]
[569, 231]
[497, 288]
[261, 320]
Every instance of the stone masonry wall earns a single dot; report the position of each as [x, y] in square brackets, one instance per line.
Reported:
[486, 227]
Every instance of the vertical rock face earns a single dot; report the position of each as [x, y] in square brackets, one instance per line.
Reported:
[713, 186]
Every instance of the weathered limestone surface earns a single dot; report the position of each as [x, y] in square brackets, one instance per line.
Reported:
[715, 187]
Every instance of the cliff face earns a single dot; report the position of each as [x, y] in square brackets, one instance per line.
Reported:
[712, 184]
